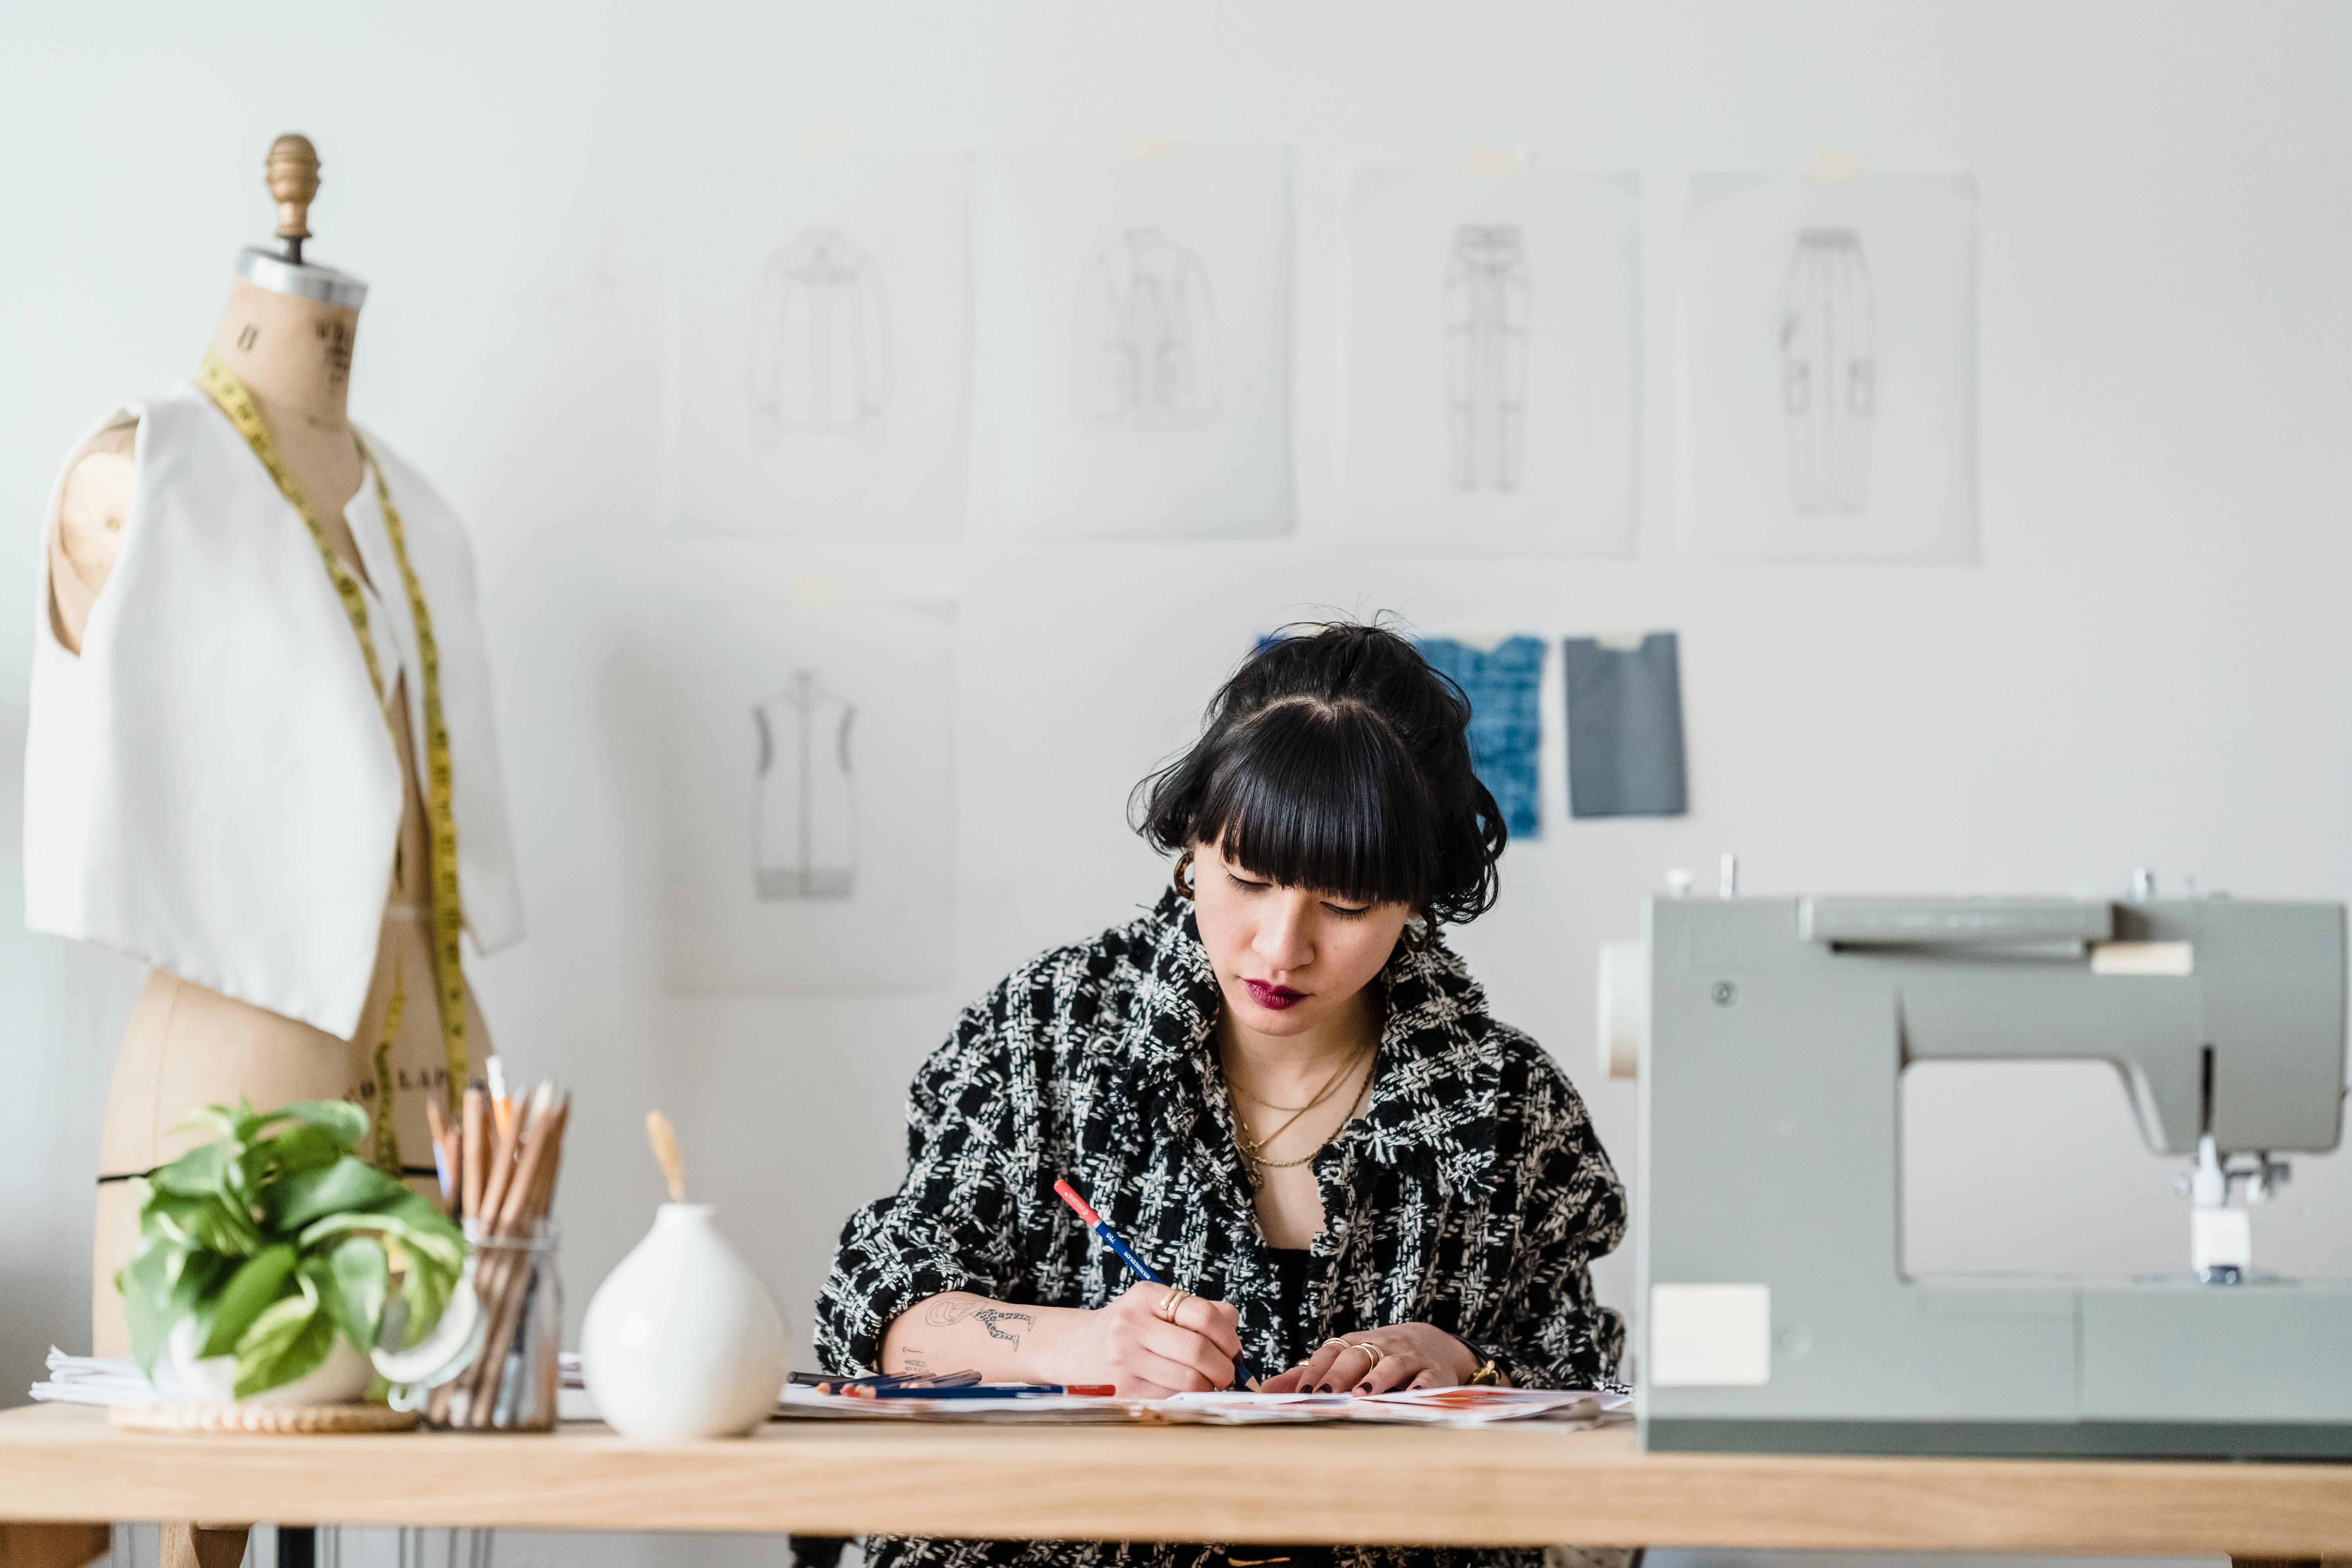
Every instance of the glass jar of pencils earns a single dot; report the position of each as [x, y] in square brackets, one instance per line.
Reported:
[509, 1384]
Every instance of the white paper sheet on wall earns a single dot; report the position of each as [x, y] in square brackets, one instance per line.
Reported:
[1492, 329]
[807, 797]
[820, 334]
[1140, 336]
[1830, 369]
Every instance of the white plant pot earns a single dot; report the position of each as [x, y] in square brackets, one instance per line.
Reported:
[681, 1340]
[342, 1377]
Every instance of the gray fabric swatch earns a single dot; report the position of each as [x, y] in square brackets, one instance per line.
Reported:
[1625, 728]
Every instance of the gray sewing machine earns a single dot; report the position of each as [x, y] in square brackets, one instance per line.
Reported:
[1777, 1315]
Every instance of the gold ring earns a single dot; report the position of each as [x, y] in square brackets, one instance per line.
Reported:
[1171, 1302]
[1378, 1355]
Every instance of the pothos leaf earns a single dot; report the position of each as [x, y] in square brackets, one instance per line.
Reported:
[360, 1280]
[288, 1340]
[257, 1284]
[350, 1183]
[346, 1123]
[201, 1172]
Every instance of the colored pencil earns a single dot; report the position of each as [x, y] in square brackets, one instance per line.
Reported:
[1135, 1266]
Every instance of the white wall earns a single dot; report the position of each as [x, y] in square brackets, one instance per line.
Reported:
[2145, 669]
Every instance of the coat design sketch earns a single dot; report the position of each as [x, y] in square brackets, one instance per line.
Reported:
[1487, 306]
[1147, 335]
[1828, 371]
[820, 341]
[804, 819]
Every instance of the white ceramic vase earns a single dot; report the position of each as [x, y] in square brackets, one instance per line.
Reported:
[681, 1340]
[342, 1377]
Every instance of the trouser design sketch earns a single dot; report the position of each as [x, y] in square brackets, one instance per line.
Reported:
[1147, 335]
[1828, 371]
[820, 341]
[803, 822]
[1486, 300]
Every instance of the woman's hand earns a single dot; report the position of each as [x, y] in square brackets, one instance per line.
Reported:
[1150, 1357]
[1412, 1355]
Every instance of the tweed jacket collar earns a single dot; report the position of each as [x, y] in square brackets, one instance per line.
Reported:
[1432, 1101]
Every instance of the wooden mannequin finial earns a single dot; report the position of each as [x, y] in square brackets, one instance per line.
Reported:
[293, 170]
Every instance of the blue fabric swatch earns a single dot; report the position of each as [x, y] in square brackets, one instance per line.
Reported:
[1625, 728]
[1505, 719]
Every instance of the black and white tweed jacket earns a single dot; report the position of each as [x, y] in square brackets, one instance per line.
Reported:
[1471, 1194]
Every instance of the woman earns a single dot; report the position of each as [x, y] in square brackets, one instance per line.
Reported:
[1279, 1086]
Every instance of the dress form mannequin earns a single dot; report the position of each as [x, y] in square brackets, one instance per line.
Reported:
[288, 334]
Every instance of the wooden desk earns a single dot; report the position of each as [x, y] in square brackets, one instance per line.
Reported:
[1522, 1485]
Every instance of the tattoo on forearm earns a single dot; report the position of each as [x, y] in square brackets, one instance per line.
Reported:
[912, 1360]
[945, 1311]
[989, 1317]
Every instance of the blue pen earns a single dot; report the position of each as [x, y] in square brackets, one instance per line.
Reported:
[1135, 1266]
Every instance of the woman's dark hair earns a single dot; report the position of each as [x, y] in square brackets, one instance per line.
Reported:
[1337, 759]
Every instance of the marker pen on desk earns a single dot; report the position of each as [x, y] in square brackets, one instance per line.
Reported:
[1135, 1266]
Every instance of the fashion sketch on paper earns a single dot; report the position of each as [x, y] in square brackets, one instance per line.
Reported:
[820, 341]
[1147, 335]
[804, 817]
[1486, 307]
[1828, 371]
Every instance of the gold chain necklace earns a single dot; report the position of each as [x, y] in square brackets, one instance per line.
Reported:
[1261, 1163]
[1241, 1128]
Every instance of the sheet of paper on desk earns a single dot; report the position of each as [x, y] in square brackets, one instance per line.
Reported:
[1466, 1406]
[806, 1403]
[1426, 1407]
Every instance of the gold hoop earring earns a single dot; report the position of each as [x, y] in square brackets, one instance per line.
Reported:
[1183, 885]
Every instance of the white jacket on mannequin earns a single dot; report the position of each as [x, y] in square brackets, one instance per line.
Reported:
[209, 785]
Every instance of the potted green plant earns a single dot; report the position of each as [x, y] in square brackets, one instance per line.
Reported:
[267, 1259]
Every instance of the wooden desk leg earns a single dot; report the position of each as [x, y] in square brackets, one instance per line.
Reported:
[204, 1545]
[53, 1545]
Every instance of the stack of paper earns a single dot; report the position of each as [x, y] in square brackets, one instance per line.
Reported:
[108, 1380]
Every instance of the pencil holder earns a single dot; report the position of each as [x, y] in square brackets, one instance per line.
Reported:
[510, 1385]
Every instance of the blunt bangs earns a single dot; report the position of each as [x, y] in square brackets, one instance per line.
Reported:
[1324, 798]
[1335, 759]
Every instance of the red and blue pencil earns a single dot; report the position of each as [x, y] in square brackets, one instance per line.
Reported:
[1135, 1266]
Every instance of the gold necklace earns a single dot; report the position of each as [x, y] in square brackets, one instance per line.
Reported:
[1261, 1163]
[1241, 1127]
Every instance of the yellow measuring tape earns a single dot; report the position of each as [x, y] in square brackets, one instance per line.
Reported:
[440, 817]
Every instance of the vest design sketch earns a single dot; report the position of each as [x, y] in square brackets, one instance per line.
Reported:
[1147, 335]
[1486, 304]
[804, 817]
[820, 341]
[1828, 371]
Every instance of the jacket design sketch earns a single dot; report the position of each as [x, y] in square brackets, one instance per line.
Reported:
[1471, 1194]
[820, 341]
[1487, 311]
[804, 817]
[1828, 371]
[1504, 684]
[1147, 335]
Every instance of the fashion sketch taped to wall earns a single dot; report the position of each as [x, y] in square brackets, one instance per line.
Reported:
[1487, 306]
[1503, 683]
[820, 341]
[1147, 335]
[1828, 371]
[804, 820]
